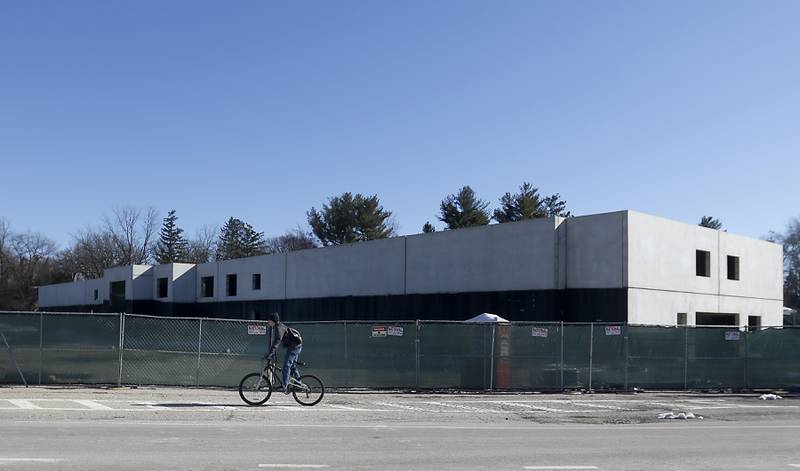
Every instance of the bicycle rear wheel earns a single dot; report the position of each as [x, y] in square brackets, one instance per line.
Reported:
[255, 389]
[310, 392]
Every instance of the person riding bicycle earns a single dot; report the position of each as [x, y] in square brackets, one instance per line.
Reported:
[291, 341]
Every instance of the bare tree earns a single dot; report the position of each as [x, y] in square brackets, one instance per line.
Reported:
[132, 231]
[91, 253]
[31, 263]
[297, 239]
[202, 248]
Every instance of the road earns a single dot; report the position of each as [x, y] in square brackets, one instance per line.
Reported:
[191, 429]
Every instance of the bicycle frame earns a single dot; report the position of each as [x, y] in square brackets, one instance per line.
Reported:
[271, 369]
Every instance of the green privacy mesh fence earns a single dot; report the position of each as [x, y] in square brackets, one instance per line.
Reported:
[52, 348]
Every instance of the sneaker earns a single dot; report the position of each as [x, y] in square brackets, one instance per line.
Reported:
[286, 391]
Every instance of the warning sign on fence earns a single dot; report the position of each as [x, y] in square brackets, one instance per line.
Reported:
[732, 335]
[256, 330]
[539, 332]
[379, 331]
[613, 330]
[395, 331]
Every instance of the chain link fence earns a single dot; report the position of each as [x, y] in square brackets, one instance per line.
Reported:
[80, 348]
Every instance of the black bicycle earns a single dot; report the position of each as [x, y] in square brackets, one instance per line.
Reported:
[256, 388]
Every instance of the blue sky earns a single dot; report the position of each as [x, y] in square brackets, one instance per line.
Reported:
[261, 110]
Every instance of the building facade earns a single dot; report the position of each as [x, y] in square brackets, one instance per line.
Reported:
[614, 267]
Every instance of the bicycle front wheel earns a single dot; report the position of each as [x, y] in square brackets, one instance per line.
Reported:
[255, 389]
[310, 390]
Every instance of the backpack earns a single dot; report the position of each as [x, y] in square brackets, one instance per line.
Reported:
[293, 336]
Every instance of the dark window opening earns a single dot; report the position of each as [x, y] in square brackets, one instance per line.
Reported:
[733, 267]
[116, 294]
[162, 288]
[96, 295]
[207, 286]
[256, 281]
[753, 322]
[681, 318]
[703, 260]
[713, 318]
[230, 285]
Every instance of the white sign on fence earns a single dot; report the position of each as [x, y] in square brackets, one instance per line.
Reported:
[613, 330]
[732, 335]
[256, 330]
[395, 331]
[539, 332]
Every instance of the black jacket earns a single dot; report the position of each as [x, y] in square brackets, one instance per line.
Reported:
[280, 337]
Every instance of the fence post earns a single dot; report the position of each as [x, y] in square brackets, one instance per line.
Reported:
[561, 367]
[746, 334]
[686, 357]
[41, 346]
[591, 353]
[199, 344]
[121, 346]
[416, 356]
[346, 359]
[491, 363]
[627, 333]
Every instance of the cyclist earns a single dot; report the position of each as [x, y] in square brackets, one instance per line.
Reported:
[291, 341]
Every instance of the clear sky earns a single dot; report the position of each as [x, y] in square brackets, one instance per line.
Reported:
[260, 109]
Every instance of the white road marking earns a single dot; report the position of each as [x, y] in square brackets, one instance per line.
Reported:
[541, 408]
[462, 407]
[30, 460]
[293, 466]
[561, 467]
[402, 406]
[597, 405]
[92, 404]
[23, 404]
[794, 465]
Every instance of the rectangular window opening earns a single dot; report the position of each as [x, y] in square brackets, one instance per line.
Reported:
[753, 322]
[681, 318]
[230, 285]
[162, 288]
[703, 259]
[733, 267]
[207, 286]
[96, 294]
[256, 281]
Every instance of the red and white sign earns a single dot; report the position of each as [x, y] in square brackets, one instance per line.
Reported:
[539, 332]
[379, 331]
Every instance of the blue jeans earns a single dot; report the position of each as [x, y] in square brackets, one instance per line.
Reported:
[288, 364]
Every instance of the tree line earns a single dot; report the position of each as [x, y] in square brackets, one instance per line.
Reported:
[132, 236]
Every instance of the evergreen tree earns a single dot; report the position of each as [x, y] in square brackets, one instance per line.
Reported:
[463, 209]
[348, 218]
[710, 222]
[529, 204]
[554, 206]
[238, 239]
[428, 228]
[171, 246]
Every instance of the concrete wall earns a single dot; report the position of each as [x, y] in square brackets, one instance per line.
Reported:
[270, 267]
[657, 307]
[62, 294]
[663, 278]
[501, 257]
[180, 282]
[363, 269]
[596, 250]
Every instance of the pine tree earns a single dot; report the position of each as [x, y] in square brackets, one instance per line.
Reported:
[171, 246]
[463, 209]
[238, 239]
[348, 218]
[428, 228]
[710, 222]
[529, 204]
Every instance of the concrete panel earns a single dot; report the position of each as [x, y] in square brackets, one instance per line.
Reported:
[500, 257]
[183, 283]
[653, 307]
[662, 254]
[89, 288]
[596, 248]
[204, 270]
[360, 269]
[62, 294]
[142, 279]
[760, 267]
[270, 267]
